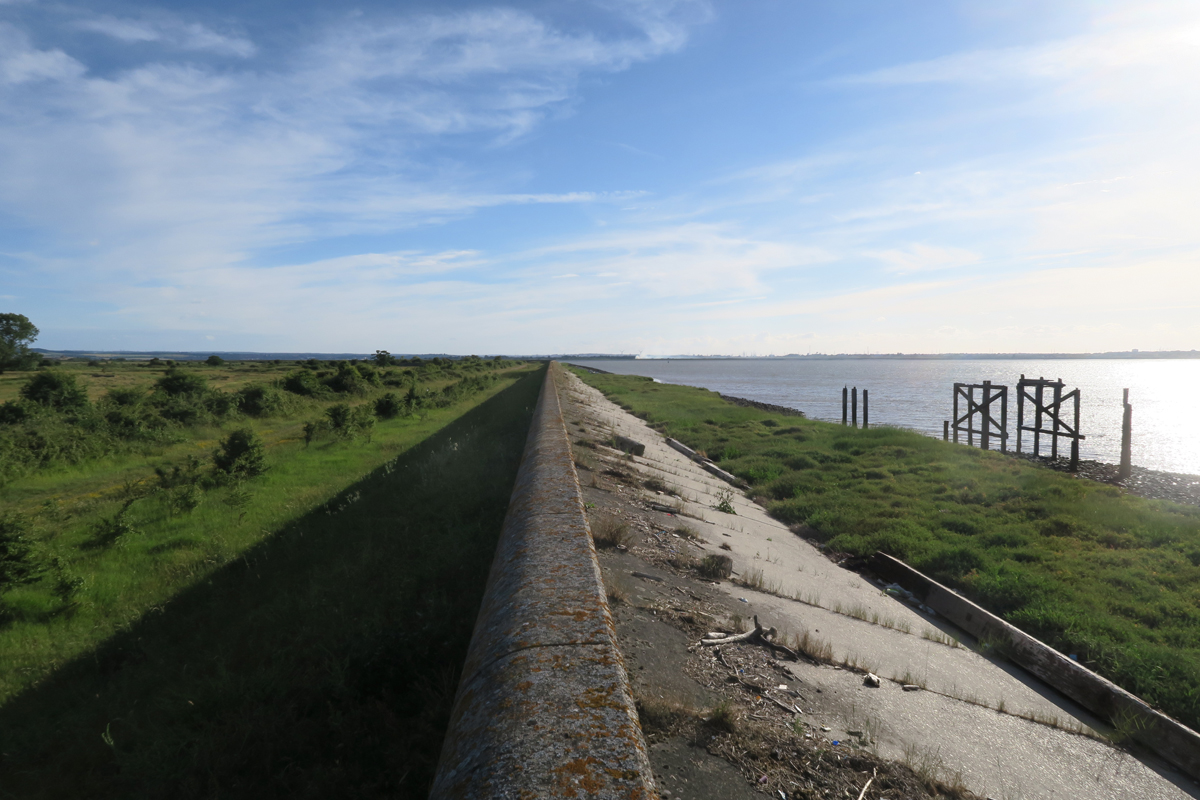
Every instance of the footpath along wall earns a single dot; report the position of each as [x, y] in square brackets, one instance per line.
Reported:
[544, 707]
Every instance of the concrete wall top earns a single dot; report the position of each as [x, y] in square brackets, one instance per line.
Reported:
[544, 707]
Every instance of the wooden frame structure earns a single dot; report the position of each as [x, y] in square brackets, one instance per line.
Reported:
[1051, 407]
[989, 426]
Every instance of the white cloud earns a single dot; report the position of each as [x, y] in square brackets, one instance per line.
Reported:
[923, 258]
[170, 31]
[21, 63]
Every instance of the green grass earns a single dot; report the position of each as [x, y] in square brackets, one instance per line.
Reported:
[1112, 578]
[299, 635]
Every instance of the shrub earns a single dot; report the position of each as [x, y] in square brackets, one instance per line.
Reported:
[16, 552]
[388, 406]
[609, 531]
[55, 389]
[261, 401]
[14, 412]
[348, 380]
[303, 382]
[124, 397]
[178, 382]
[241, 455]
[716, 567]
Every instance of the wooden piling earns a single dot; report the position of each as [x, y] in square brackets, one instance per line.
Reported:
[956, 414]
[1004, 420]
[1057, 414]
[854, 405]
[985, 433]
[1074, 440]
[865, 409]
[1020, 409]
[1126, 439]
[945, 430]
[845, 390]
[1037, 425]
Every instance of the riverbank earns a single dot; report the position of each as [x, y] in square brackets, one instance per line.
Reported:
[736, 720]
[1096, 572]
[1176, 487]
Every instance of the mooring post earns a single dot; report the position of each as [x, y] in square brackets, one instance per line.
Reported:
[854, 405]
[985, 415]
[945, 430]
[1056, 415]
[1037, 425]
[1004, 419]
[955, 417]
[864, 409]
[844, 391]
[1126, 439]
[1020, 408]
[970, 415]
[1075, 438]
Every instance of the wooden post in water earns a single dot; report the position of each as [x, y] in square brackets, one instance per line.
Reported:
[970, 416]
[985, 438]
[864, 409]
[1075, 438]
[1004, 421]
[1057, 414]
[1037, 425]
[844, 390]
[1020, 409]
[955, 414]
[854, 405]
[945, 430]
[1127, 440]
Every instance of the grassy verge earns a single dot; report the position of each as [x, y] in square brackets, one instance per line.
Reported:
[295, 634]
[1111, 578]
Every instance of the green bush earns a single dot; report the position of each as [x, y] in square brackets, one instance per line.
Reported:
[16, 552]
[177, 383]
[15, 411]
[303, 382]
[261, 401]
[388, 406]
[241, 455]
[124, 397]
[55, 389]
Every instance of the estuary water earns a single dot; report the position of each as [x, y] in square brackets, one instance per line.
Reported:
[918, 394]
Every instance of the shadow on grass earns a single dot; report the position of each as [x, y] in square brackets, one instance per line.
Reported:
[323, 663]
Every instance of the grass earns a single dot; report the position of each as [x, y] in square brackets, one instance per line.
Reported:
[609, 531]
[298, 634]
[1109, 577]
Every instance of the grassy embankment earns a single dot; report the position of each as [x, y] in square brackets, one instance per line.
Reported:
[1110, 577]
[293, 633]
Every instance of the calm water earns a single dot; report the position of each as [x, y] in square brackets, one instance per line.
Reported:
[919, 395]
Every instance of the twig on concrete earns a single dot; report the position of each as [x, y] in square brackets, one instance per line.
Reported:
[863, 793]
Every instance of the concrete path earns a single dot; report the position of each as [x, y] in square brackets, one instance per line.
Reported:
[1002, 732]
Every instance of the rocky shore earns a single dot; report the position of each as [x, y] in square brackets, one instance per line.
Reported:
[1174, 486]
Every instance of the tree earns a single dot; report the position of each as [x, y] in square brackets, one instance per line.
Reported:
[214, 360]
[16, 334]
[383, 358]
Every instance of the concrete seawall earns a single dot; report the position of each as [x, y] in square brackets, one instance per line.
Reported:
[1166, 736]
[544, 707]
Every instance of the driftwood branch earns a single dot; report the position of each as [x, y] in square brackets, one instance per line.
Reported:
[863, 793]
[760, 635]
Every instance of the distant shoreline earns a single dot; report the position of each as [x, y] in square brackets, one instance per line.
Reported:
[199, 355]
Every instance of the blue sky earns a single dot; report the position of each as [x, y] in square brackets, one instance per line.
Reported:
[684, 176]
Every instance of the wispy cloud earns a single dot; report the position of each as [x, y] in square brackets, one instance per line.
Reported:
[170, 31]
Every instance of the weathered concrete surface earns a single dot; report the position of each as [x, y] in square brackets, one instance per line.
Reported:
[544, 707]
[970, 720]
[1168, 737]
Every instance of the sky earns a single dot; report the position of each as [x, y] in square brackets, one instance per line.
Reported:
[624, 176]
